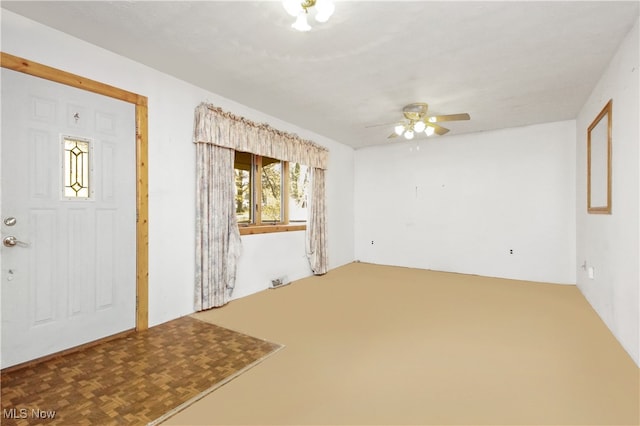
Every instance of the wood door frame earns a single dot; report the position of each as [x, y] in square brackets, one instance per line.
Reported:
[35, 69]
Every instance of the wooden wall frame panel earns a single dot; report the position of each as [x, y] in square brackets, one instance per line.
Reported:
[598, 146]
[35, 69]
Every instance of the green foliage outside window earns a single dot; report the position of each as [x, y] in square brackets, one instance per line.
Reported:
[271, 190]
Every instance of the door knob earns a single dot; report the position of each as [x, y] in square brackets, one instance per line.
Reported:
[12, 241]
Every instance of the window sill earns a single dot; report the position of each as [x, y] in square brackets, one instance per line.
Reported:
[267, 229]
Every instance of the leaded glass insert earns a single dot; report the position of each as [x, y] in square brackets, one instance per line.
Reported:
[76, 168]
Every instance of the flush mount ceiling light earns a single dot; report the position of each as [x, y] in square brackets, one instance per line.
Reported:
[300, 9]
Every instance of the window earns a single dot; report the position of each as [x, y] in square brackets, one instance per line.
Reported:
[298, 192]
[271, 195]
[244, 187]
[271, 191]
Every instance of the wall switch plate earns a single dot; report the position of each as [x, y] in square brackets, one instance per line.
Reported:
[590, 272]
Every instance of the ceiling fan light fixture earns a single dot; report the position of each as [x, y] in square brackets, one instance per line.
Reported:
[293, 7]
[416, 121]
[301, 23]
[325, 10]
[300, 9]
[419, 126]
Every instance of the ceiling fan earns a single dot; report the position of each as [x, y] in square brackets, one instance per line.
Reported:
[416, 120]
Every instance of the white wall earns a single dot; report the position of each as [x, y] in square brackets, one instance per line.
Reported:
[460, 203]
[172, 172]
[610, 243]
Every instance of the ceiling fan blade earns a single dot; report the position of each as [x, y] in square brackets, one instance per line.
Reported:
[439, 130]
[448, 117]
[392, 135]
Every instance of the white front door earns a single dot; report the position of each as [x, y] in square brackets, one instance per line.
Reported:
[68, 201]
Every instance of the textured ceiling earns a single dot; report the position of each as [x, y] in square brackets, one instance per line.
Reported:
[505, 63]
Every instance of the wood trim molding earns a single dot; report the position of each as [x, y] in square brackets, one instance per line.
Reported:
[265, 229]
[142, 218]
[53, 74]
[35, 69]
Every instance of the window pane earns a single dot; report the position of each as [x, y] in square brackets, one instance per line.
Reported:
[271, 190]
[76, 168]
[244, 187]
[298, 192]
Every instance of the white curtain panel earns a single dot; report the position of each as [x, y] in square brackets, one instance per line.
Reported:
[316, 224]
[218, 243]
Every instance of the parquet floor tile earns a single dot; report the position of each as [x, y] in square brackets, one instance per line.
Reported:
[132, 380]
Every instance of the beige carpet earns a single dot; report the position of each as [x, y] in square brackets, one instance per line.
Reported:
[368, 344]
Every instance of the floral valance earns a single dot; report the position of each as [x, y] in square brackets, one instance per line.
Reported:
[218, 127]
